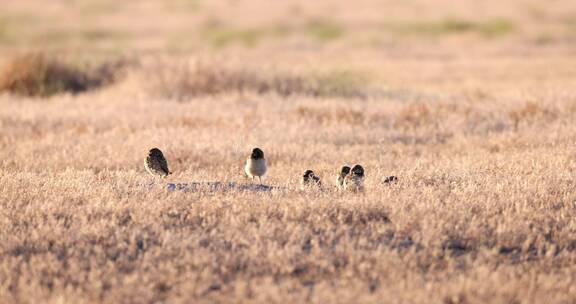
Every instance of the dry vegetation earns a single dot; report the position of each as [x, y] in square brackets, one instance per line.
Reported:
[42, 75]
[472, 105]
[183, 80]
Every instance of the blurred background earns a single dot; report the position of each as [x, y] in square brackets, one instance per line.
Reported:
[449, 45]
[181, 26]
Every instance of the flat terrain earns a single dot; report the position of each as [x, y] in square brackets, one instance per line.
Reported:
[472, 105]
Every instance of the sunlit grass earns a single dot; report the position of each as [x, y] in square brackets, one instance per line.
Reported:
[183, 81]
[485, 182]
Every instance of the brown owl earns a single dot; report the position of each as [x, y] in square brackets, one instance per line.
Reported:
[340, 178]
[156, 164]
[355, 180]
[310, 179]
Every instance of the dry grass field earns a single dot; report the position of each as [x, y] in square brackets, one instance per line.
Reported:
[472, 104]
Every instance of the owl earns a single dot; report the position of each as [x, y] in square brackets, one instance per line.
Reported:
[156, 164]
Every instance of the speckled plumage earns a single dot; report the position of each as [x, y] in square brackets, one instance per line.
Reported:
[355, 180]
[156, 164]
[310, 179]
[340, 178]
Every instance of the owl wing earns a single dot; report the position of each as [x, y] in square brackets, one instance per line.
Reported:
[340, 180]
[317, 180]
[163, 165]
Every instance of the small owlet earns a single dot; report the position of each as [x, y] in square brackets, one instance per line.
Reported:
[390, 179]
[309, 179]
[355, 180]
[156, 164]
[256, 165]
[340, 178]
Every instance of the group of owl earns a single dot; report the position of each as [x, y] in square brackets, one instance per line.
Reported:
[351, 179]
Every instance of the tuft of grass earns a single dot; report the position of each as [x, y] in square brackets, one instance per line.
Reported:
[496, 27]
[41, 75]
[570, 23]
[189, 5]
[219, 35]
[450, 26]
[182, 82]
[544, 39]
[3, 29]
[100, 34]
[330, 116]
[414, 115]
[89, 35]
[95, 8]
[324, 30]
[531, 111]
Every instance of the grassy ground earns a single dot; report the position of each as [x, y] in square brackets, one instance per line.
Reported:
[472, 105]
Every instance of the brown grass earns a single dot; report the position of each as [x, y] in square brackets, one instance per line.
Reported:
[329, 116]
[480, 133]
[42, 75]
[531, 111]
[183, 81]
